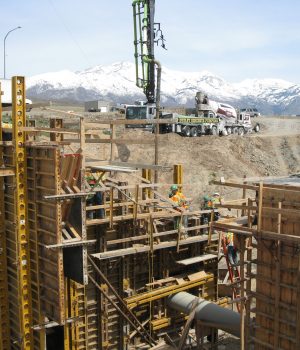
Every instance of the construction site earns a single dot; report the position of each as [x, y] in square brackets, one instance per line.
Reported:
[95, 253]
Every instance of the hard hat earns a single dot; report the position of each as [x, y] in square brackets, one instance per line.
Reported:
[216, 194]
[174, 188]
[206, 198]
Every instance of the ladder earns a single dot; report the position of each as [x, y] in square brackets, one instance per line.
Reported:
[234, 275]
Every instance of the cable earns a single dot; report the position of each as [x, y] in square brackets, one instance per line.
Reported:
[69, 31]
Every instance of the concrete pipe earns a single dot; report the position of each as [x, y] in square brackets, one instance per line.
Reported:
[209, 313]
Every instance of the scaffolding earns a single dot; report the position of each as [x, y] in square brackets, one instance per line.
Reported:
[91, 276]
[268, 239]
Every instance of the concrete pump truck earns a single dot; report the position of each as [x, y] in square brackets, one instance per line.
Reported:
[147, 33]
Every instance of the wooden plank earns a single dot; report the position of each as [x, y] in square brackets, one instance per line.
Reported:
[196, 259]
[6, 172]
[116, 141]
[143, 249]
[50, 131]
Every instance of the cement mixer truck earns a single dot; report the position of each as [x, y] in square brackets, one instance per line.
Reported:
[210, 118]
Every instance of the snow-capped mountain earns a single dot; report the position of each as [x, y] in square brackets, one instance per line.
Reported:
[116, 83]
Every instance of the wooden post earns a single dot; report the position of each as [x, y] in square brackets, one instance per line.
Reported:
[136, 199]
[112, 144]
[146, 174]
[248, 283]
[244, 193]
[111, 211]
[277, 283]
[242, 293]
[56, 124]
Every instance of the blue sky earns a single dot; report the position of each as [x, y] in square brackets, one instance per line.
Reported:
[235, 39]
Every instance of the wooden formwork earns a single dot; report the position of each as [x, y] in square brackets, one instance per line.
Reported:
[278, 263]
[269, 292]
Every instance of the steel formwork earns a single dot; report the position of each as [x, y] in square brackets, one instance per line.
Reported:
[72, 279]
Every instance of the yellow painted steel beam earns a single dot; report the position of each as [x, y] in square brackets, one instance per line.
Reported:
[22, 231]
[74, 314]
[146, 174]
[4, 313]
[178, 175]
[166, 291]
[67, 340]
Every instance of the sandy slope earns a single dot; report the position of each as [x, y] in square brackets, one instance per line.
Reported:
[273, 152]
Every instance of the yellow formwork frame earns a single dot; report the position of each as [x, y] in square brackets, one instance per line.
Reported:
[74, 314]
[22, 232]
[178, 175]
[67, 326]
[4, 314]
[146, 174]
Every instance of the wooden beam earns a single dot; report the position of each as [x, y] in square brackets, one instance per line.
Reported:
[235, 184]
[145, 249]
[6, 172]
[29, 129]
[117, 141]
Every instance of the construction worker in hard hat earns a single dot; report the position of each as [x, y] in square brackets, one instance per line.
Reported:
[208, 203]
[216, 198]
[95, 198]
[180, 202]
[231, 249]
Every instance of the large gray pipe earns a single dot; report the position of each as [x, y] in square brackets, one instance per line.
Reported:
[209, 313]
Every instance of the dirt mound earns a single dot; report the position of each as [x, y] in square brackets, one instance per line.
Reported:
[273, 152]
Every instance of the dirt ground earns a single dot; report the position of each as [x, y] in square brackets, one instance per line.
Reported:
[275, 151]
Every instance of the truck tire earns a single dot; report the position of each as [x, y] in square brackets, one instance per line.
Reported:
[257, 128]
[214, 131]
[241, 131]
[229, 130]
[235, 131]
[187, 131]
[194, 132]
[224, 132]
[199, 130]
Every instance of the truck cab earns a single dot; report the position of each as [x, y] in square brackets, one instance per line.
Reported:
[139, 112]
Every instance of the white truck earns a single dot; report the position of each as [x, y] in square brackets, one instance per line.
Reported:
[210, 118]
[139, 111]
[6, 98]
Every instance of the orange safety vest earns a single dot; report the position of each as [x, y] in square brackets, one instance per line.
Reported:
[180, 200]
[229, 238]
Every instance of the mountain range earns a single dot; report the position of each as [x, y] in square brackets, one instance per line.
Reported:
[116, 83]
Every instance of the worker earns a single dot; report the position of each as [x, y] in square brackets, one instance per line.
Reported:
[232, 251]
[95, 198]
[180, 201]
[205, 100]
[216, 199]
[207, 203]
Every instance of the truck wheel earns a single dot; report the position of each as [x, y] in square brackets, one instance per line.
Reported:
[187, 131]
[229, 130]
[235, 131]
[241, 131]
[194, 132]
[199, 130]
[257, 128]
[214, 130]
[224, 132]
